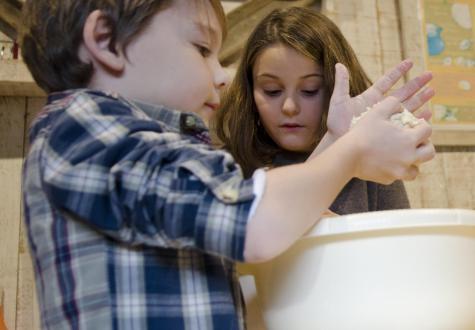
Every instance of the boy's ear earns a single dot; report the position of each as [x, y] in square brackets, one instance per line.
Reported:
[97, 39]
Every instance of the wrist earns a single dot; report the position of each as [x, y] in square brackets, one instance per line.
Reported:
[330, 137]
[351, 151]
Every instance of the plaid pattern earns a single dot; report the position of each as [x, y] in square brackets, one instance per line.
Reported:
[133, 222]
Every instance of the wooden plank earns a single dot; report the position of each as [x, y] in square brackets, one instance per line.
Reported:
[244, 11]
[389, 33]
[3, 326]
[459, 171]
[230, 5]
[10, 16]
[453, 135]
[16, 80]
[8, 30]
[372, 28]
[243, 20]
[412, 36]
[358, 21]
[27, 314]
[12, 114]
[430, 189]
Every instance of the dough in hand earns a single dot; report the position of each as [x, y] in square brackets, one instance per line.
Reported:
[404, 118]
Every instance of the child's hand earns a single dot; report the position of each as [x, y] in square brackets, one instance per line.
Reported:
[343, 107]
[386, 151]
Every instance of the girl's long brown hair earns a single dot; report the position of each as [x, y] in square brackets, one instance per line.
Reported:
[236, 125]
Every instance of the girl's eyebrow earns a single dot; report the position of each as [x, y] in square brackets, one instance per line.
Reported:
[318, 75]
[269, 75]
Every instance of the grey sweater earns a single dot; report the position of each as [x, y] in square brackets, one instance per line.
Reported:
[358, 195]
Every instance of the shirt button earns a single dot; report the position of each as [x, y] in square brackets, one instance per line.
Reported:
[230, 195]
[190, 122]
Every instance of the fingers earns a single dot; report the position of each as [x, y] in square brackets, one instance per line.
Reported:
[425, 152]
[411, 173]
[422, 133]
[341, 91]
[424, 113]
[418, 100]
[376, 92]
[412, 87]
[387, 107]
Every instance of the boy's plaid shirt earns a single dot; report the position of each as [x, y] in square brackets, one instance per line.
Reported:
[133, 222]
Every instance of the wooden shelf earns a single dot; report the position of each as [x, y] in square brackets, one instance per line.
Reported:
[16, 80]
[453, 135]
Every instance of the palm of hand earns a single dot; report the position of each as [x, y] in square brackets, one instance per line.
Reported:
[342, 112]
[343, 107]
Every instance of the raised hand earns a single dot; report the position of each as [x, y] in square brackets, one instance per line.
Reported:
[389, 152]
[413, 95]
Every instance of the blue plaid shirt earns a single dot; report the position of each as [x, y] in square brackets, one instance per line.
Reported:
[133, 221]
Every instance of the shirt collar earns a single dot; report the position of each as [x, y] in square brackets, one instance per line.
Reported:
[186, 122]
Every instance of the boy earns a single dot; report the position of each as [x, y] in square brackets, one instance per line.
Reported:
[134, 221]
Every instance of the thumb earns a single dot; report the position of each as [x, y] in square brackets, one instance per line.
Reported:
[341, 91]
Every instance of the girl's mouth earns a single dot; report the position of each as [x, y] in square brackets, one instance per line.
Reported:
[290, 126]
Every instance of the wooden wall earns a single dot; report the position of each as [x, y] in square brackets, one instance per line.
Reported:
[17, 290]
[384, 32]
[373, 27]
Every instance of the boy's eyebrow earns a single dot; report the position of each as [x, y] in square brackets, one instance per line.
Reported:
[207, 29]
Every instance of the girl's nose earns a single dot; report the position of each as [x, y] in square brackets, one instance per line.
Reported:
[290, 107]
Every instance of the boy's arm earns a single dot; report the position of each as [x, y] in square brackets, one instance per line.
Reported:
[127, 178]
[296, 196]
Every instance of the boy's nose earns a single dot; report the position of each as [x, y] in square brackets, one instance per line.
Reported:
[221, 77]
[290, 107]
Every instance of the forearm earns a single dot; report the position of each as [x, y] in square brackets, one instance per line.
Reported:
[294, 199]
[327, 140]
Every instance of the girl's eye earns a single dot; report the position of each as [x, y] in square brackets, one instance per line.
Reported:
[273, 92]
[204, 51]
[310, 92]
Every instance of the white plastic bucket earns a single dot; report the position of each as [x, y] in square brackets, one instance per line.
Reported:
[405, 269]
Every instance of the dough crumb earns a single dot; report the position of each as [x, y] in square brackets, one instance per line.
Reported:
[402, 119]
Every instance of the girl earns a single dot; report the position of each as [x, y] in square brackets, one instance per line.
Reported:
[276, 110]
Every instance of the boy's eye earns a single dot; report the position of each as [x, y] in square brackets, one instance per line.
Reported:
[310, 92]
[272, 92]
[204, 51]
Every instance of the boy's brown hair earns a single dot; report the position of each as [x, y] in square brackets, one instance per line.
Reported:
[54, 32]
[311, 34]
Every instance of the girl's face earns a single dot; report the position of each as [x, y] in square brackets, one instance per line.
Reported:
[174, 62]
[289, 94]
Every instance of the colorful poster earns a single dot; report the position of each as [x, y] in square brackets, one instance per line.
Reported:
[450, 55]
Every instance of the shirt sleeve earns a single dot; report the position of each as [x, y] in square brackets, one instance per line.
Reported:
[259, 178]
[130, 179]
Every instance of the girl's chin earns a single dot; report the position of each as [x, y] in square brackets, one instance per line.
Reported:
[296, 148]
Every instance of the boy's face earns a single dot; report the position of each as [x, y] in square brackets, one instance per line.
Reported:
[174, 61]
